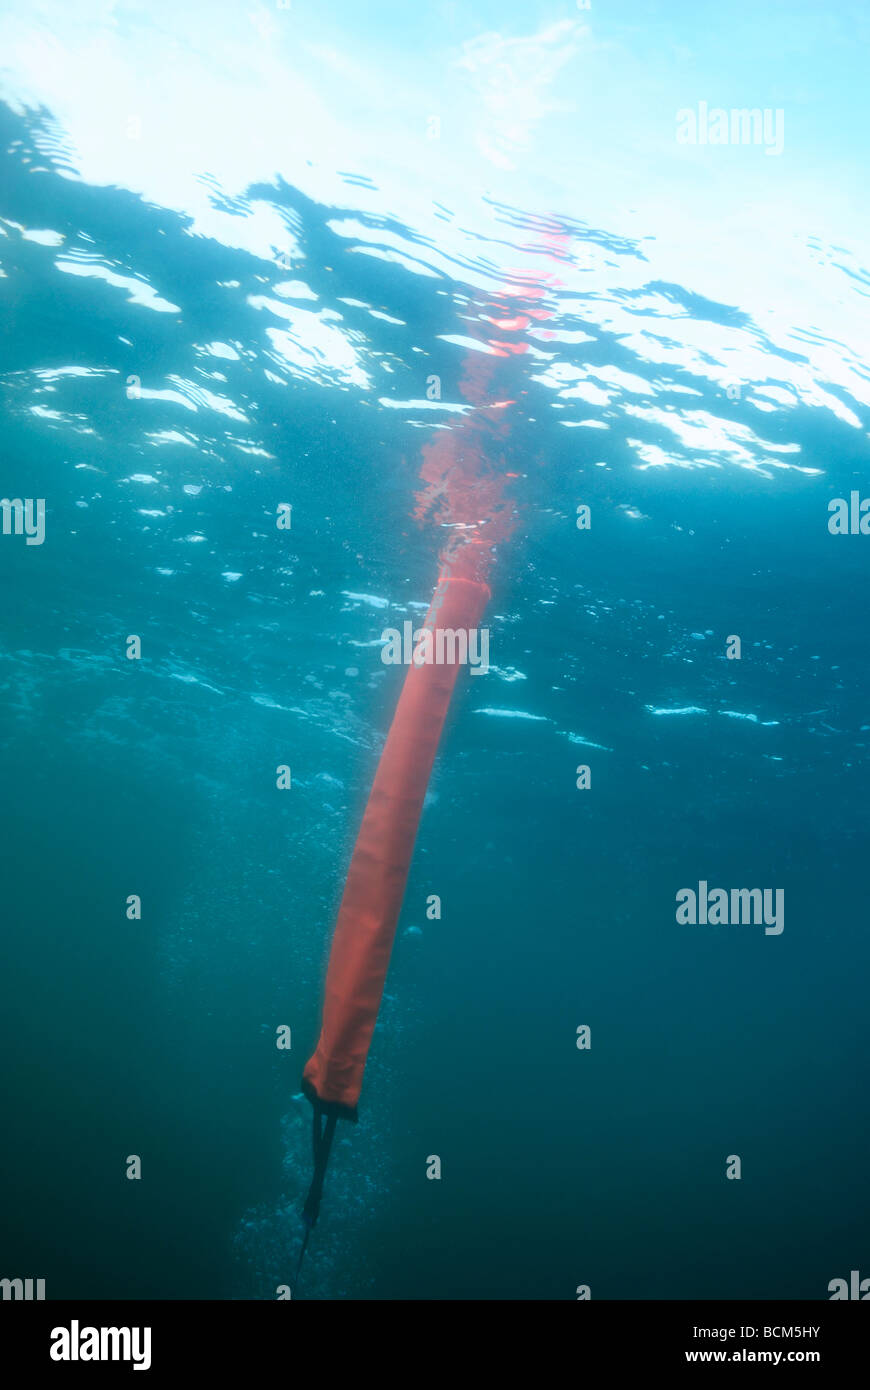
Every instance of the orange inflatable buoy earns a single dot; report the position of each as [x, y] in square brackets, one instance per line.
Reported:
[464, 479]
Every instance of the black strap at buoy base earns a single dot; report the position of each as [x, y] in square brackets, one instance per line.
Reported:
[322, 1134]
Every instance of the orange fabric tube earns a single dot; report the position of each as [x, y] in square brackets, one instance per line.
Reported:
[464, 488]
[375, 886]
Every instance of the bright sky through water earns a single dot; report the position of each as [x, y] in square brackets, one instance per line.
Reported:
[437, 117]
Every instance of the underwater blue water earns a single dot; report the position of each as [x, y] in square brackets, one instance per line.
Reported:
[222, 309]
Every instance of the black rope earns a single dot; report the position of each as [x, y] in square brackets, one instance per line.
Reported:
[321, 1143]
